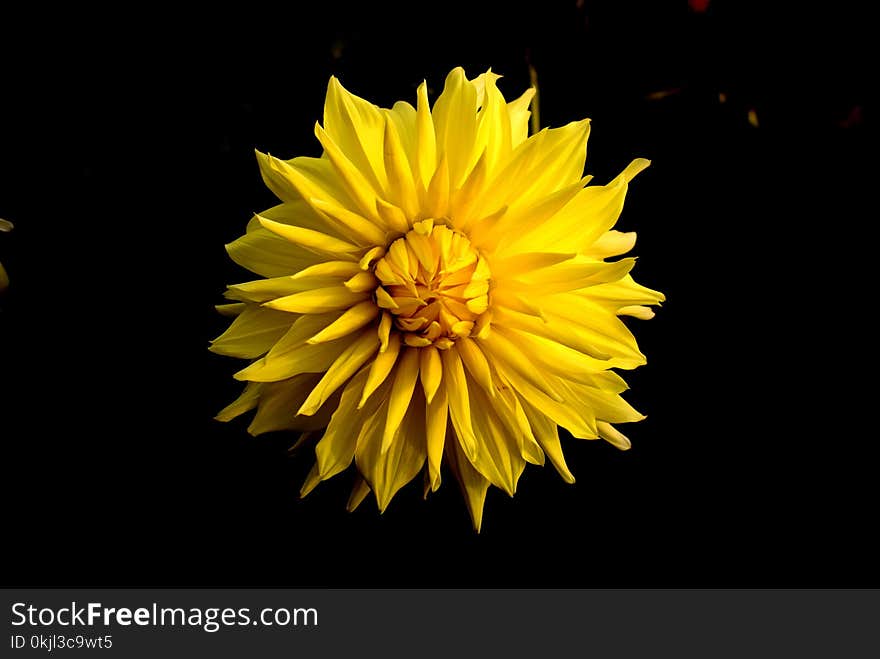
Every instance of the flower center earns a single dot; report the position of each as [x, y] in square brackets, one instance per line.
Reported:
[435, 285]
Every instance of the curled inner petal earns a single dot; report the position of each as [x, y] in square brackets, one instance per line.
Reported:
[434, 283]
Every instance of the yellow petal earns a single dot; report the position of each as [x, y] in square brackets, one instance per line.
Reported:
[604, 405]
[252, 333]
[571, 413]
[522, 217]
[481, 82]
[519, 117]
[613, 436]
[550, 327]
[299, 213]
[624, 292]
[351, 320]
[358, 187]
[291, 355]
[430, 371]
[285, 364]
[388, 471]
[469, 196]
[269, 255]
[301, 179]
[587, 217]
[499, 458]
[336, 269]
[596, 325]
[436, 201]
[311, 482]
[363, 230]
[493, 126]
[545, 163]
[407, 373]
[381, 367]
[401, 184]
[502, 352]
[359, 492]
[555, 358]
[546, 433]
[404, 117]
[636, 311]
[384, 299]
[263, 290]
[278, 404]
[437, 418]
[514, 417]
[384, 330]
[358, 127]
[246, 401]
[335, 451]
[362, 281]
[319, 300]
[455, 124]
[526, 262]
[517, 301]
[611, 243]
[560, 162]
[455, 381]
[370, 256]
[476, 363]
[426, 140]
[275, 177]
[473, 484]
[232, 310]
[575, 274]
[309, 239]
[395, 219]
[345, 366]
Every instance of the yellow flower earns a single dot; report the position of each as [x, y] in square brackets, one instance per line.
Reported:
[437, 292]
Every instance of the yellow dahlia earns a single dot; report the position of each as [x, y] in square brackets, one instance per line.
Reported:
[436, 291]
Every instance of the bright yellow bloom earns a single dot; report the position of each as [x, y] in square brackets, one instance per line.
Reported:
[436, 291]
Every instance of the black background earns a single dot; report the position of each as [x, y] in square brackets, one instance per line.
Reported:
[127, 164]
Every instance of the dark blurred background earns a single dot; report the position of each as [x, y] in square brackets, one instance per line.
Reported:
[126, 163]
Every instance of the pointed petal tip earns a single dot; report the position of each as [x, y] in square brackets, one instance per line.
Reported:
[308, 409]
[311, 482]
[637, 166]
[382, 504]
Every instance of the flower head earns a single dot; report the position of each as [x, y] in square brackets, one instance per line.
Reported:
[436, 290]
